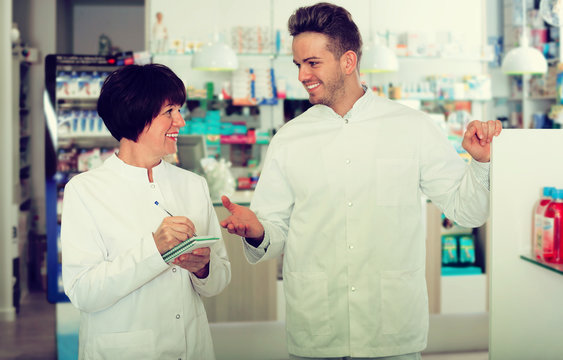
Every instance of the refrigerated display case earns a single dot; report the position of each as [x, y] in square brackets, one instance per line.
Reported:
[76, 140]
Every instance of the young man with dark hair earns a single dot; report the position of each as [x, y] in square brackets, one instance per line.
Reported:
[340, 196]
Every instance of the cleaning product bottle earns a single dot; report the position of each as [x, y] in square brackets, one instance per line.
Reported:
[552, 228]
[539, 211]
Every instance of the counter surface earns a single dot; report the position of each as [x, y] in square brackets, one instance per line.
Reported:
[241, 197]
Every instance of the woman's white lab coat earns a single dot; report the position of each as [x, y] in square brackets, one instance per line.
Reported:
[134, 305]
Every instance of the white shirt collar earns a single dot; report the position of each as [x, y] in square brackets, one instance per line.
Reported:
[134, 172]
[352, 114]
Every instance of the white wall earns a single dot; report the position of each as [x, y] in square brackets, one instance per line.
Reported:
[526, 301]
[7, 311]
[198, 21]
[189, 20]
[124, 24]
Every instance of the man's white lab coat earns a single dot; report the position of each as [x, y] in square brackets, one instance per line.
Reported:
[341, 198]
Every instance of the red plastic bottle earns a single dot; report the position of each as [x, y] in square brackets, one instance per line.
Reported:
[537, 232]
[552, 229]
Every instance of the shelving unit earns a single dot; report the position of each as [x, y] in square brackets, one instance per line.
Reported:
[459, 294]
[274, 14]
[21, 176]
[72, 83]
[523, 100]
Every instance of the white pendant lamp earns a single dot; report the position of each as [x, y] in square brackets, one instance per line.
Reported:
[215, 56]
[524, 59]
[377, 58]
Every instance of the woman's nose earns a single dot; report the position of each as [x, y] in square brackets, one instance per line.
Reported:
[179, 120]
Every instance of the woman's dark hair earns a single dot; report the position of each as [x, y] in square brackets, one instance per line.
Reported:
[331, 20]
[133, 95]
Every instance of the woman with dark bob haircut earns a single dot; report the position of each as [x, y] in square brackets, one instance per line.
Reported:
[119, 219]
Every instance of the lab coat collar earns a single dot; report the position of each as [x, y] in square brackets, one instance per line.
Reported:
[356, 113]
[134, 172]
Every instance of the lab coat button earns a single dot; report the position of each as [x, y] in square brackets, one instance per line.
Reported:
[345, 121]
[351, 247]
[348, 161]
[353, 289]
[152, 186]
[177, 316]
[350, 204]
[173, 269]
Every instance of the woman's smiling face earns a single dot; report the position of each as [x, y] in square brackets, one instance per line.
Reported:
[161, 135]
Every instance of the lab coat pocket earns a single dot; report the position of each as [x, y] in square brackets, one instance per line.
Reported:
[396, 182]
[307, 303]
[123, 346]
[404, 301]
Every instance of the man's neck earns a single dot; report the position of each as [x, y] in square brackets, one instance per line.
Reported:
[351, 95]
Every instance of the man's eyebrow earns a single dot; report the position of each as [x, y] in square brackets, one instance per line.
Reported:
[307, 59]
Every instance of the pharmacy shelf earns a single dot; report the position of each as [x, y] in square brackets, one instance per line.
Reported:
[558, 268]
[273, 55]
[87, 141]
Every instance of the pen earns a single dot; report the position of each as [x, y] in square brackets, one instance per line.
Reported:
[169, 214]
[160, 206]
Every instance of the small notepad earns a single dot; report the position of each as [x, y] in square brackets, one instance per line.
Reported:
[189, 246]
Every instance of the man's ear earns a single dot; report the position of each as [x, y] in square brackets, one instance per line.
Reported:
[349, 62]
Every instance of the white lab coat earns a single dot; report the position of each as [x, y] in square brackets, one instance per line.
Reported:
[341, 198]
[133, 305]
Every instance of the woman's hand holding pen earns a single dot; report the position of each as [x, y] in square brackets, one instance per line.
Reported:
[172, 231]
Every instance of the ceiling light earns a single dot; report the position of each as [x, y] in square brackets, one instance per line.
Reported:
[377, 58]
[215, 56]
[524, 59]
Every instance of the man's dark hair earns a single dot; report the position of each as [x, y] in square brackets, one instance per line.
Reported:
[331, 20]
[132, 96]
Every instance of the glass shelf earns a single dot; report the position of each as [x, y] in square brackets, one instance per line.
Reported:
[274, 55]
[558, 268]
[542, 98]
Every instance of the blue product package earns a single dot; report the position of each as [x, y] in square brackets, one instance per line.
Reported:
[213, 116]
[449, 250]
[467, 249]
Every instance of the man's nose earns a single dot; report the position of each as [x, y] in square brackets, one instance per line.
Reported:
[304, 74]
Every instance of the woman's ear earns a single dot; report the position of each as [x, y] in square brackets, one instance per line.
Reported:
[349, 62]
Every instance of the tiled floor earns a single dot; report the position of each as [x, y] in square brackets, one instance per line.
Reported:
[481, 355]
[32, 335]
